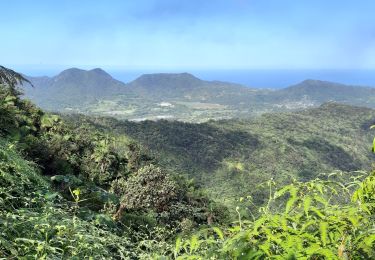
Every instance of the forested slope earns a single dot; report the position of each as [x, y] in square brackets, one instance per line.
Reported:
[231, 157]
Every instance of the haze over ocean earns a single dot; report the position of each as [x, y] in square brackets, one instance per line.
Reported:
[251, 78]
[285, 78]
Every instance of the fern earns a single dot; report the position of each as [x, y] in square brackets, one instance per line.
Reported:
[310, 227]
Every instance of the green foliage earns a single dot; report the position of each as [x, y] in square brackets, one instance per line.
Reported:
[17, 177]
[18, 119]
[153, 190]
[11, 79]
[36, 222]
[150, 188]
[365, 195]
[240, 156]
[49, 232]
[311, 226]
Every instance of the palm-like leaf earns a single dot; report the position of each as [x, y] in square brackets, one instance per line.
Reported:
[11, 78]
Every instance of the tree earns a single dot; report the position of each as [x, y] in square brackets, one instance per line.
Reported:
[12, 79]
[149, 188]
[12, 109]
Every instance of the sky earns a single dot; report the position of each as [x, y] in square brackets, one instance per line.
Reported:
[188, 34]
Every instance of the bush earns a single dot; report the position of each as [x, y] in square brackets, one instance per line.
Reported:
[310, 225]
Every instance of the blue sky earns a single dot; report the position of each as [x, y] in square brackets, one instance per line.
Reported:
[189, 34]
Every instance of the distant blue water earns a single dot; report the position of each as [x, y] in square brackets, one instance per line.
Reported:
[251, 78]
[285, 78]
[269, 78]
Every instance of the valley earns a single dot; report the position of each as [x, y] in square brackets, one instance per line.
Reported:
[229, 157]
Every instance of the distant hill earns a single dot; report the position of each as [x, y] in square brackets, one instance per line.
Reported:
[323, 91]
[180, 85]
[73, 88]
[170, 84]
[231, 157]
[181, 96]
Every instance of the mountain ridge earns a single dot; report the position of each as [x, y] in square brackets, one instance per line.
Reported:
[148, 79]
[183, 96]
[73, 87]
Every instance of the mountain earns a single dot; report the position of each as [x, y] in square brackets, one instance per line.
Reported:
[171, 84]
[319, 92]
[151, 96]
[73, 88]
[239, 155]
[179, 85]
[181, 96]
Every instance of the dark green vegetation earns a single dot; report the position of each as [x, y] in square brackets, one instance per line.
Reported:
[231, 158]
[181, 96]
[75, 187]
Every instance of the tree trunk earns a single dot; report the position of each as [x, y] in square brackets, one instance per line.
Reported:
[210, 219]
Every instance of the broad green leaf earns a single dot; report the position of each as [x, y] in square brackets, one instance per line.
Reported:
[177, 246]
[218, 232]
[194, 243]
